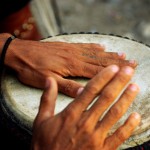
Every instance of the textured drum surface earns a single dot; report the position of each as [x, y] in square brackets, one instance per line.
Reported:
[23, 101]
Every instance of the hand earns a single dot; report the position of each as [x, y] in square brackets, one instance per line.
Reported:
[79, 128]
[34, 61]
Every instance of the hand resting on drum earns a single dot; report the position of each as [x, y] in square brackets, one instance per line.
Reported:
[78, 126]
[34, 61]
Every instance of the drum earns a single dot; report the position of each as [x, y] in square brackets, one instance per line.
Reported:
[20, 103]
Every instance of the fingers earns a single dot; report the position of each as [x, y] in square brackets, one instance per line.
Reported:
[122, 133]
[102, 55]
[112, 55]
[106, 58]
[68, 87]
[119, 108]
[104, 61]
[110, 93]
[93, 88]
[121, 63]
[47, 104]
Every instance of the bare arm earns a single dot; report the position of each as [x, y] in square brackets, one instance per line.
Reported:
[34, 61]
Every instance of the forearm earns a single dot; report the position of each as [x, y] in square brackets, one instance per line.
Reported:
[9, 51]
[19, 52]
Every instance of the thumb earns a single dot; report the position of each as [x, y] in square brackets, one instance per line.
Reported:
[48, 99]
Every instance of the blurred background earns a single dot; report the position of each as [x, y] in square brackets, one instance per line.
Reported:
[38, 19]
[122, 17]
[129, 18]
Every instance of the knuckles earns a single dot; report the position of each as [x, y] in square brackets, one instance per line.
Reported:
[123, 79]
[70, 114]
[121, 135]
[108, 95]
[92, 89]
[116, 112]
[94, 141]
[86, 128]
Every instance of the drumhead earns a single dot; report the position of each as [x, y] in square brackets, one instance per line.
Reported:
[23, 101]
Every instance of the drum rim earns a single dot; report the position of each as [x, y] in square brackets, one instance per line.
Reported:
[8, 112]
[98, 33]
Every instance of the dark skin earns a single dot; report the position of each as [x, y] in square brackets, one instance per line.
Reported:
[38, 63]
[34, 61]
[79, 128]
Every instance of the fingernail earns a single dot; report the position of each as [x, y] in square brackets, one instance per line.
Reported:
[134, 87]
[80, 90]
[136, 115]
[128, 70]
[102, 45]
[115, 68]
[132, 61]
[121, 54]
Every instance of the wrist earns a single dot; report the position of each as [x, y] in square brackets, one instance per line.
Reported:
[3, 39]
[14, 55]
[3, 49]
[6, 41]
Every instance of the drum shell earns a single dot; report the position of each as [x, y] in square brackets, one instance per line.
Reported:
[11, 130]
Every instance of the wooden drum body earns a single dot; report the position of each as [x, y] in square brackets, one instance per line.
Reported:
[20, 103]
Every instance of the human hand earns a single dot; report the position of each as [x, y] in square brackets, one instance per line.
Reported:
[34, 61]
[79, 128]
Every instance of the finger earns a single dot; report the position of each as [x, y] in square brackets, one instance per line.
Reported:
[113, 55]
[91, 46]
[93, 88]
[31, 79]
[123, 133]
[89, 57]
[68, 87]
[119, 108]
[47, 104]
[110, 93]
[108, 61]
[107, 58]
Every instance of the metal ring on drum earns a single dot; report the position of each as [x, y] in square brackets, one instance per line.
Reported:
[21, 102]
